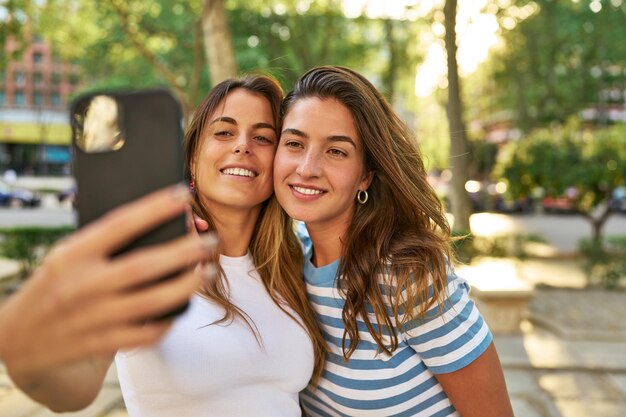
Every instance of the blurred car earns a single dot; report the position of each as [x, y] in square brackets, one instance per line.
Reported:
[505, 204]
[493, 197]
[563, 204]
[483, 196]
[558, 205]
[67, 196]
[17, 197]
[618, 200]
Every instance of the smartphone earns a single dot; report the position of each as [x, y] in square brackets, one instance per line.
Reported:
[125, 145]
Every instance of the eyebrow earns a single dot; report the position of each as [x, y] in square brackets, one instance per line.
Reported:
[333, 138]
[230, 120]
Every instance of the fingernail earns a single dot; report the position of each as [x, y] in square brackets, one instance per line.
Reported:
[208, 241]
[209, 272]
[180, 192]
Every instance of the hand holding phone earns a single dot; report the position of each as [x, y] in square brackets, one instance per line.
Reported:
[125, 145]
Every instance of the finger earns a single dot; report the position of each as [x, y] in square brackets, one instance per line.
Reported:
[147, 264]
[127, 272]
[148, 302]
[123, 224]
[201, 225]
[133, 269]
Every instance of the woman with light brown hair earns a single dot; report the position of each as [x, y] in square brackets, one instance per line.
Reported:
[227, 355]
[404, 337]
[248, 342]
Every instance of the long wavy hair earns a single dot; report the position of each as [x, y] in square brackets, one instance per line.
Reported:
[400, 237]
[274, 247]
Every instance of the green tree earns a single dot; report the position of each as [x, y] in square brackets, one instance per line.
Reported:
[557, 58]
[13, 24]
[138, 43]
[287, 41]
[592, 161]
[289, 37]
[28, 244]
[141, 43]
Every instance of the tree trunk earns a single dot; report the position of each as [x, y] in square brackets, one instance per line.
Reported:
[218, 43]
[459, 157]
[598, 221]
[596, 230]
[390, 75]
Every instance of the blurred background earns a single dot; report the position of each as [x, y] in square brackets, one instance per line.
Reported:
[519, 108]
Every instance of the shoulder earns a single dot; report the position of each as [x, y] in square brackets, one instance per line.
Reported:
[451, 334]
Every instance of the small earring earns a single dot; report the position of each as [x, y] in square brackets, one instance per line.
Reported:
[362, 196]
[192, 185]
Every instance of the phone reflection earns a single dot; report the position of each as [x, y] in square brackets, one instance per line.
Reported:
[98, 127]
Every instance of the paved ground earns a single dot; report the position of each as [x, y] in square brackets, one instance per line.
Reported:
[567, 360]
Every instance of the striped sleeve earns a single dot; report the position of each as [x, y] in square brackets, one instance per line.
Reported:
[453, 337]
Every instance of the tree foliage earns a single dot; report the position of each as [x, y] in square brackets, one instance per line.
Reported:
[28, 244]
[137, 43]
[555, 159]
[289, 37]
[131, 44]
[13, 21]
[557, 58]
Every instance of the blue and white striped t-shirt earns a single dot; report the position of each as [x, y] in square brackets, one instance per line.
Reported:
[374, 384]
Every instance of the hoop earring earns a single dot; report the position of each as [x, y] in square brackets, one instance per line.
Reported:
[362, 196]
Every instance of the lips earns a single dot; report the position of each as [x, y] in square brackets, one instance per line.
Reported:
[307, 190]
[239, 172]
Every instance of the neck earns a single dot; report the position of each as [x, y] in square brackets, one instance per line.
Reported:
[234, 228]
[327, 246]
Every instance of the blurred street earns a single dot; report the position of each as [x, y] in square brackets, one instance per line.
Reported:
[45, 217]
[561, 232]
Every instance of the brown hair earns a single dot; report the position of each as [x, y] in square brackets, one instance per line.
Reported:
[400, 237]
[274, 247]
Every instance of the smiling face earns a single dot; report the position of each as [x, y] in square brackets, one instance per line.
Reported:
[319, 165]
[233, 163]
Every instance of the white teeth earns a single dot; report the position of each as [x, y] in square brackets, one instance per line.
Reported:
[239, 172]
[307, 191]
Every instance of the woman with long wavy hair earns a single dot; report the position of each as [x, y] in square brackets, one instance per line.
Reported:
[226, 356]
[404, 337]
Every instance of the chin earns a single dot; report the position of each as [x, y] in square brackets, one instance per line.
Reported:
[304, 216]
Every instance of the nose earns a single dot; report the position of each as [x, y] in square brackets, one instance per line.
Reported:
[309, 166]
[241, 145]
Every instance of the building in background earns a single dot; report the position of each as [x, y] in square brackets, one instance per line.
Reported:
[34, 122]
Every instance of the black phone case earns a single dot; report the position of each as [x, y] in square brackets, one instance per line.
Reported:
[151, 158]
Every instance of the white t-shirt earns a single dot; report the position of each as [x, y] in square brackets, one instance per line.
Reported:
[201, 370]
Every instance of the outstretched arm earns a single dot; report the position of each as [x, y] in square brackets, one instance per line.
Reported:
[58, 334]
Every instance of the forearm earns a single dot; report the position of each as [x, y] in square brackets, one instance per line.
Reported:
[65, 388]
